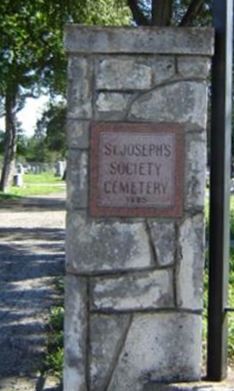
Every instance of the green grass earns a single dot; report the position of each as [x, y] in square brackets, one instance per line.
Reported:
[46, 177]
[8, 196]
[55, 352]
[35, 184]
[230, 289]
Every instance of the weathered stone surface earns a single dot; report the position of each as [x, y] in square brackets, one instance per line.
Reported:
[181, 102]
[163, 235]
[97, 246]
[191, 386]
[77, 179]
[195, 171]
[148, 290]
[78, 133]
[79, 89]
[82, 39]
[138, 73]
[107, 334]
[112, 101]
[75, 331]
[144, 278]
[123, 74]
[112, 105]
[191, 265]
[159, 347]
[189, 66]
[163, 68]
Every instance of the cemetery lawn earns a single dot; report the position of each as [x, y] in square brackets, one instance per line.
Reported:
[35, 185]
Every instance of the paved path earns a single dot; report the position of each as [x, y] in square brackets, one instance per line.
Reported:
[31, 256]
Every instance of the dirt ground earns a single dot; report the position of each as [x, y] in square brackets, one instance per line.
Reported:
[31, 257]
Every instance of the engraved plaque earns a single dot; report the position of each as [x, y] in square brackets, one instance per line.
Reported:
[136, 169]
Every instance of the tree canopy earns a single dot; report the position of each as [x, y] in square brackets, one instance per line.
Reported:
[32, 58]
[170, 12]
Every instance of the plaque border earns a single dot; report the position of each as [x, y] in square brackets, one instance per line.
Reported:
[151, 127]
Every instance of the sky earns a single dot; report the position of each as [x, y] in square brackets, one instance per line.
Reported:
[30, 114]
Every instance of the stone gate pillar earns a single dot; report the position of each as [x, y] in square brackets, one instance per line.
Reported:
[137, 110]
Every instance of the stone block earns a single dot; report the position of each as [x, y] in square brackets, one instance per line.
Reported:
[107, 335]
[191, 386]
[163, 235]
[163, 68]
[167, 40]
[182, 102]
[77, 179]
[112, 105]
[78, 134]
[105, 246]
[195, 171]
[163, 347]
[118, 73]
[79, 95]
[134, 292]
[191, 264]
[75, 334]
[125, 73]
[190, 67]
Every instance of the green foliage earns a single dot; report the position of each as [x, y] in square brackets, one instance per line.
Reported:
[230, 292]
[106, 12]
[8, 197]
[232, 218]
[51, 131]
[181, 6]
[56, 321]
[197, 12]
[55, 353]
[32, 57]
[22, 145]
[54, 362]
[36, 150]
[2, 135]
[231, 304]
[31, 40]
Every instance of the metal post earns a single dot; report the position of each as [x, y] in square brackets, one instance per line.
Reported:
[220, 189]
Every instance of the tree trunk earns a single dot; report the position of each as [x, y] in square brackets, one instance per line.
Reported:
[161, 12]
[194, 9]
[10, 141]
[138, 15]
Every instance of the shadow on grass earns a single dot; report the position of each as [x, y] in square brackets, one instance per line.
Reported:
[9, 197]
[9, 201]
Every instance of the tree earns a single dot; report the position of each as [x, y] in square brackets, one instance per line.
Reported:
[31, 46]
[32, 57]
[170, 12]
[1, 142]
[52, 129]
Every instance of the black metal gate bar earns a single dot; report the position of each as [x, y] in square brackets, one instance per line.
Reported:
[220, 189]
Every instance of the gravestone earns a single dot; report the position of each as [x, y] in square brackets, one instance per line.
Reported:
[60, 168]
[20, 169]
[136, 120]
[18, 180]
